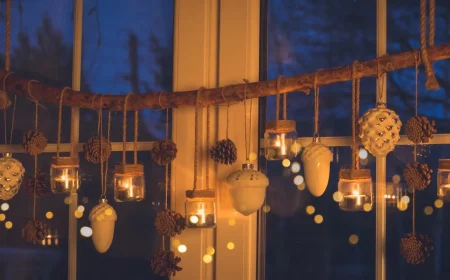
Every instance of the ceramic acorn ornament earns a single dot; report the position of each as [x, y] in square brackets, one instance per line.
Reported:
[103, 216]
[316, 157]
[247, 186]
[11, 176]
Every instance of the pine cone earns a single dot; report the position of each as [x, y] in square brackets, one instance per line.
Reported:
[420, 130]
[42, 184]
[92, 149]
[415, 248]
[164, 263]
[224, 152]
[34, 142]
[164, 152]
[170, 223]
[417, 176]
[35, 231]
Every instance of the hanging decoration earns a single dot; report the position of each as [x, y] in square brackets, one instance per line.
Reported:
[443, 179]
[417, 175]
[64, 170]
[129, 181]
[247, 186]
[164, 152]
[35, 231]
[103, 216]
[420, 130]
[165, 263]
[11, 170]
[225, 151]
[200, 204]
[355, 184]
[34, 142]
[280, 138]
[316, 157]
[431, 83]
[168, 222]
[416, 248]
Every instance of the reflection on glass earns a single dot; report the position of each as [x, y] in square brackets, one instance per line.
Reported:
[64, 175]
[443, 177]
[129, 187]
[200, 212]
[355, 194]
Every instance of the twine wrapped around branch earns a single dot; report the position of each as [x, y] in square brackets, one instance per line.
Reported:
[431, 83]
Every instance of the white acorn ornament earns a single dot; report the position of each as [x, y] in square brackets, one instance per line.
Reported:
[103, 218]
[316, 160]
[247, 189]
[379, 130]
[11, 176]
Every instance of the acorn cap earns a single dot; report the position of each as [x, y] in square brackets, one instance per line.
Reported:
[102, 212]
[316, 150]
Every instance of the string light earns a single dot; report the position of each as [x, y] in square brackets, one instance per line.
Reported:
[8, 225]
[182, 248]
[5, 206]
[230, 246]
[318, 219]
[310, 209]
[86, 231]
[49, 215]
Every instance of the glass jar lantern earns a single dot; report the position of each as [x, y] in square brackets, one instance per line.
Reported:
[280, 140]
[64, 176]
[355, 186]
[200, 209]
[129, 182]
[443, 179]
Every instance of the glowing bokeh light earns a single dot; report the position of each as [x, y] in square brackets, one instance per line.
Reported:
[182, 248]
[2, 217]
[210, 250]
[298, 180]
[402, 206]
[230, 246]
[78, 214]
[318, 219]
[396, 179]
[85, 200]
[176, 242]
[301, 187]
[438, 203]
[363, 154]
[49, 215]
[193, 219]
[8, 225]
[232, 222]
[353, 239]
[405, 199]
[67, 200]
[252, 156]
[338, 196]
[266, 208]
[295, 167]
[310, 209]
[428, 210]
[286, 162]
[367, 207]
[81, 208]
[86, 232]
[5, 206]
[207, 258]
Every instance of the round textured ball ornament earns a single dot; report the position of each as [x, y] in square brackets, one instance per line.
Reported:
[379, 130]
[103, 218]
[11, 176]
[316, 159]
[247, 189]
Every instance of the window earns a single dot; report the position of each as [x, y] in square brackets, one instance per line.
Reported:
[304, 36]
[127, 47]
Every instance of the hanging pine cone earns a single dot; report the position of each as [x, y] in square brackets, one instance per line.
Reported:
[170, 223]
[164, 263]
[164, 152]
[416, 248]
[420, 130]
[34, 142]
[42, 184]
[224, 152]
[35, 231]
[417, 176]
[92, 149]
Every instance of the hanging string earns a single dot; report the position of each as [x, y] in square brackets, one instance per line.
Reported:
[228, 109]
[58, 140]
[432, 22]
[107, 161]
[8, 36]
[355, 113]
[277, 102]
[431, 83]
[247, 143]
[35, 156]
[316, 106]
[196, 138]
[208, 128]
[417, 59]
[100, 137]
[284, 101]
[124, 133]
[167, 165]
[4, 111]
[13, 118]
[136, 126]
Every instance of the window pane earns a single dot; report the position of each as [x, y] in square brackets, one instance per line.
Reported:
[41, 49]
[305, 36]
[127, 47]
[404, 35]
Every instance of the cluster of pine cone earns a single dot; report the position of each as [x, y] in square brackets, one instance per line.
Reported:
[224, 152]
[34, 142]
[42, 181]
[170, 223]
[417, 175]
[420, 130]
[92, 149]
[415, 248]
[35, 231]
[164, 263]
[164, 152]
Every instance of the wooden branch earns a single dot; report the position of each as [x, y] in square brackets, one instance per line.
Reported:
[50, 94]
